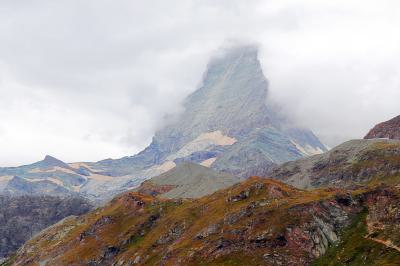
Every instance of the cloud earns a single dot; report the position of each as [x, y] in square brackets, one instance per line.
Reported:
[89, 80]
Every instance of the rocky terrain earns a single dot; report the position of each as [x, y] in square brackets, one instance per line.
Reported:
[187, 180]
[348, 165]
[23, 217]
[227, 125]
[197, 205]
[389, 129]
[257, 222]
[373, 238]
[349, 215]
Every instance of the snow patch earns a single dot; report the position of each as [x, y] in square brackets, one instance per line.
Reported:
[202, 143]
[307, 150]
[208, 162]
[51, 170]
[166, 166]
[216, 137]
[79, 165]
[100, 177]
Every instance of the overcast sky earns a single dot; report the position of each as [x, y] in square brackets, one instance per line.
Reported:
[88, 80]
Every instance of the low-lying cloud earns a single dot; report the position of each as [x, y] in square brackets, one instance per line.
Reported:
[88, 80]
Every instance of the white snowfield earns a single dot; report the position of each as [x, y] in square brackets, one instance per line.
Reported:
[203, 143]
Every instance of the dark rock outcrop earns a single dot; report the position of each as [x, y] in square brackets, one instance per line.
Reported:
[389, 129]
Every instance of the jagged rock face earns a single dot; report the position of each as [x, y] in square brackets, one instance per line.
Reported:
[227, 125]
[350, 164]
[389, 129]
[373, 238]
[22, 217]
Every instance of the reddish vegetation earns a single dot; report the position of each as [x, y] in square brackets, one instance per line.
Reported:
[389, 129]
[257, 222]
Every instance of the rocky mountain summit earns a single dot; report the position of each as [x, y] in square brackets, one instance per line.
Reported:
[389, 129]
[23, 217]
[227, 125]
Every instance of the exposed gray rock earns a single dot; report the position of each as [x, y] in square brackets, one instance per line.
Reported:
[227, 124]
[352, 162]
[226, 121]
[22, 217]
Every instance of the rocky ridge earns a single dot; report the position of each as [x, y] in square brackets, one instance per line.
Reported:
[389, 129]
[352, 163]
[53, 177]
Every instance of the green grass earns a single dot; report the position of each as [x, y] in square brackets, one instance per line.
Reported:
[354, 249]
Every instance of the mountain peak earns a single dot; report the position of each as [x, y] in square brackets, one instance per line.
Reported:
[49, 161]
[235, 52]
[231, 104]
[232, 97]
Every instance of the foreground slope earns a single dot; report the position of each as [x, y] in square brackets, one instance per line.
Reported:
[257, 222]
[187, 180]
